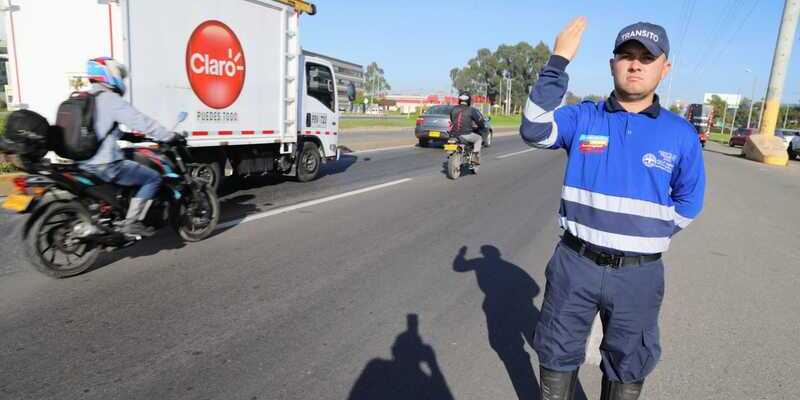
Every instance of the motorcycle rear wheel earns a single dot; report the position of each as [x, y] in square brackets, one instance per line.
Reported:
[454, 165]
[49, 245]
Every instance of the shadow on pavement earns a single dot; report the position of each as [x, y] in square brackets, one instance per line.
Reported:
[511, 316]
[168, 239]
[235, 183]
[411, 373]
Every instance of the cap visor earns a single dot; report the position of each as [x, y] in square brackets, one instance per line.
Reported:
[650, 46]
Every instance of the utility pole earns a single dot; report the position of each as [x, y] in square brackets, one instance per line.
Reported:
[752, 96]
[724, 113]
[780, 64]
[502, 94]
[509, 82]
[735, 110]
[786, 116]
[766, 147]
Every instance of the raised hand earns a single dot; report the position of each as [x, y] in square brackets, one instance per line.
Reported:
[569, 39]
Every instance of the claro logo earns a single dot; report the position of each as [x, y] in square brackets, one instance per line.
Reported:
[215, 64]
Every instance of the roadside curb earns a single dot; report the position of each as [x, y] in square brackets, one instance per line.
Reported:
[7, 184]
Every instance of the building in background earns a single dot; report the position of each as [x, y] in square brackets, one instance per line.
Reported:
[346, 72]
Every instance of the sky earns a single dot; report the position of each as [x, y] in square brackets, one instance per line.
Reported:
[418, 42]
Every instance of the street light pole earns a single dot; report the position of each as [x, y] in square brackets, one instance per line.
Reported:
[752, 96]
[724, 114]
[786, 115]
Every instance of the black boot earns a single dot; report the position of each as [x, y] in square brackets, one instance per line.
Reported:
[557, 385]
[620, 391]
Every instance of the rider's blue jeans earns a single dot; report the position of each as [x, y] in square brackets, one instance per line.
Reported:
[128, 173]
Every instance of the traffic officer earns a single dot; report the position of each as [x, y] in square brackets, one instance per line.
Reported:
[634, 178]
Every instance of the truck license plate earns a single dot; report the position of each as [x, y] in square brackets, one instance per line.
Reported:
[434, 134]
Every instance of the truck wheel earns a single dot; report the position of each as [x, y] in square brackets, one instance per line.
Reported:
[309, 162]
[792, 154]
[423, 142]
[210, 173]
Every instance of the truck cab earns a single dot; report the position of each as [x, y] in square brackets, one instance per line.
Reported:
[319, 110]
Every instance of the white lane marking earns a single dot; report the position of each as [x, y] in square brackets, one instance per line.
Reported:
[270, 213]
[515, 153]
[593, 343]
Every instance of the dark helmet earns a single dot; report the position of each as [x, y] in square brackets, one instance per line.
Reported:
[465, 98]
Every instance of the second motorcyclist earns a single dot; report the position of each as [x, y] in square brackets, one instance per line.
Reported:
[465, 122]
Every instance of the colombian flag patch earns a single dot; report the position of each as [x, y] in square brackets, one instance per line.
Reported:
[593, 143]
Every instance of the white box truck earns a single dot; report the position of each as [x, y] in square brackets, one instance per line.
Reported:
[255, 103]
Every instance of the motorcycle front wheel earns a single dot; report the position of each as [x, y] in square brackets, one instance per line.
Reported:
[454, 165]
[50, 245]
[196, 218]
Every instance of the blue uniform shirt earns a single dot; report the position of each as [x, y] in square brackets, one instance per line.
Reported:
[632, 180]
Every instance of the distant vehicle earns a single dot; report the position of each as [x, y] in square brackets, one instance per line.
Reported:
[740, 135]
[701, 116]
[374, 110]
[786, 135]
[792, 138]
[434, 125]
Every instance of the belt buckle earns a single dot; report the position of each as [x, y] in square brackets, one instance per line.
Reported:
[609, 260]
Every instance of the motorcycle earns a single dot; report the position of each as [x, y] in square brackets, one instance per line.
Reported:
[459, 158]
[75, 215]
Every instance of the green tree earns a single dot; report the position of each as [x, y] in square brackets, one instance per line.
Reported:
[674, 108]
[375, 83]
[359, 100]
[487, 72]
[594, 98]
[571, 98]
[718, 105]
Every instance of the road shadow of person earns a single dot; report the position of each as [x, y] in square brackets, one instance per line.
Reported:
[404, 376]
[511, 315]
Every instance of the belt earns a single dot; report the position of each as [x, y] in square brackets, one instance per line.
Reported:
[605, 259]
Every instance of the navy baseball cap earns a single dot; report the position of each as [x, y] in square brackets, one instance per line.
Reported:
[653, 37]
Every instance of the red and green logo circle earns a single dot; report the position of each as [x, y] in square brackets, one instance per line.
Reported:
[215, 64]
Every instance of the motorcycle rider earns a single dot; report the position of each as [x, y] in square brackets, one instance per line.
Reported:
[465, 121]
[108, 163]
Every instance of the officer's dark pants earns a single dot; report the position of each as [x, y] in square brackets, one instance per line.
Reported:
[628, 300]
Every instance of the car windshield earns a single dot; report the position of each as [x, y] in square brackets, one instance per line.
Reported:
[440, 110]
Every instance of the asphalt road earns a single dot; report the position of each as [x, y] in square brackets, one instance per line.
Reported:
[364, 295]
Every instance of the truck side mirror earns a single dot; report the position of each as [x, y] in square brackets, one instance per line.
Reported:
[351, 91]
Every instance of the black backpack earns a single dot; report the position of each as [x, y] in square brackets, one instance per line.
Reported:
[27, 134]
[77, 139]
